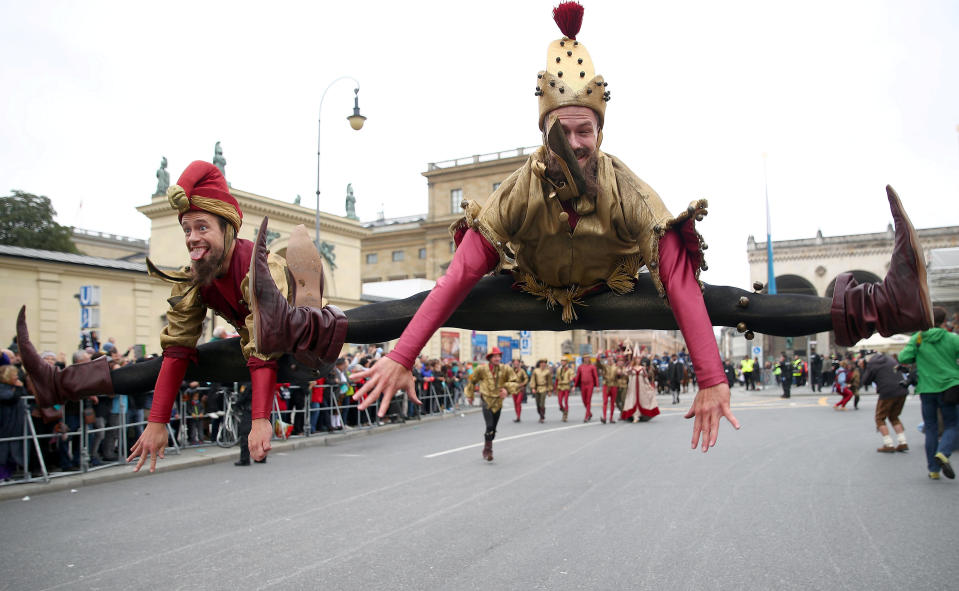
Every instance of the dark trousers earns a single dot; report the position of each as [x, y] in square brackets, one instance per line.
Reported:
[246, 424]
[787, 384]
[492, 419]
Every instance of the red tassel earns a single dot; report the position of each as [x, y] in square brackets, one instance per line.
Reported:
[569, 17]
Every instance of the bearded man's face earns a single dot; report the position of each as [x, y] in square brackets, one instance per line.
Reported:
[581, 127]
[204, 236]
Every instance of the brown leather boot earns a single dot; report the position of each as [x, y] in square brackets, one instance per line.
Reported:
[52, 385]
[313, 335]
[488, 450]
[899, 303]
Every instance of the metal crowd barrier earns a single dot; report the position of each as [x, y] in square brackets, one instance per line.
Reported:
[71, 445]
[79, 443]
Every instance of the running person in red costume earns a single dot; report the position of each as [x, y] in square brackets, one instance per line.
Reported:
[586, 379]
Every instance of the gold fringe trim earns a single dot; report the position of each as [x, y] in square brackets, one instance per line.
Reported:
[620, 281]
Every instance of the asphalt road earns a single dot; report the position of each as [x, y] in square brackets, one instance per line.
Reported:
[797, 499]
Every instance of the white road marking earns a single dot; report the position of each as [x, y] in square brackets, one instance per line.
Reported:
[500, 440]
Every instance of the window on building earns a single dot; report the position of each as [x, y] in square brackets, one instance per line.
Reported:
[371, 258]
[456, 199]
[397, 256]
[422, 253]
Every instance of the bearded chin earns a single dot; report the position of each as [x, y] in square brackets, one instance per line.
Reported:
[206, 269]
[590, 173]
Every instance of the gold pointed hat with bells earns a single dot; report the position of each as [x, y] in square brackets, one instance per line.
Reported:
[569, 80]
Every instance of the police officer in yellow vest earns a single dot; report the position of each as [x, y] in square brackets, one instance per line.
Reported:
[797, 368]
[747, 366]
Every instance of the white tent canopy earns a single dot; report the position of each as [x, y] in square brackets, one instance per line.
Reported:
[943, 275]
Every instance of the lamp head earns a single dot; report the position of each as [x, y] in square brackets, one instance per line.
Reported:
[356, 120]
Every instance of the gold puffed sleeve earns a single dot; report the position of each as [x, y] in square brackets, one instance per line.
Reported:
[184, 318]
[279, 273]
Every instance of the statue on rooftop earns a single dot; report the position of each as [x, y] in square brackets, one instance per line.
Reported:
[218, 160]
[163, 178]
[350, 203]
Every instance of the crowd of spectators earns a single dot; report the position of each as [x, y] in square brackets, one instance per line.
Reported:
[59, 429]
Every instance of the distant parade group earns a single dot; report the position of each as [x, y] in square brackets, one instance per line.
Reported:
[627, 379]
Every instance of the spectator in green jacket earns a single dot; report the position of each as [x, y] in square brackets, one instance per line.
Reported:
[935, 353]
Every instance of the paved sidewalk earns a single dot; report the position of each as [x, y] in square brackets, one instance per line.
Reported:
[197, 456]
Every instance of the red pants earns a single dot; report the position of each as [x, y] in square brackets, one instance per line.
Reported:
[587, 394]
[609, 396]
[846, 397]
[518, 403]
[562, 396]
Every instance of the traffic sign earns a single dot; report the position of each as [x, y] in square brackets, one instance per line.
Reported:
[89, 295]
[757, 351]
[89, 318]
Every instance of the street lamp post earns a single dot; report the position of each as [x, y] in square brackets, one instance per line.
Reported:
[356, 122]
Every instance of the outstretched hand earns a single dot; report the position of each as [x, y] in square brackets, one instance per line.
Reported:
[151, 444]
[383, 379]
[710, 404]
[258, 441]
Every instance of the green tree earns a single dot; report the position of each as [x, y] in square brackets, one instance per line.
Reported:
[27, 220]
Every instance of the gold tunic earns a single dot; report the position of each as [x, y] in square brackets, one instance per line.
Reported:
[521, 379]
[541, 380]
[187, 310]
[490, 385]
[622, 377]
[564, 377]
[609, 371]
[617, 233]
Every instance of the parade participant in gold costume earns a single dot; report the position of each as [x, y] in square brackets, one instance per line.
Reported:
[541, 384]
[495, 382]
[564, 382]
[523, 379]
[610, 373]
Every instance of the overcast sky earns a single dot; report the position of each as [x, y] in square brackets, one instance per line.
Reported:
[844, 96]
